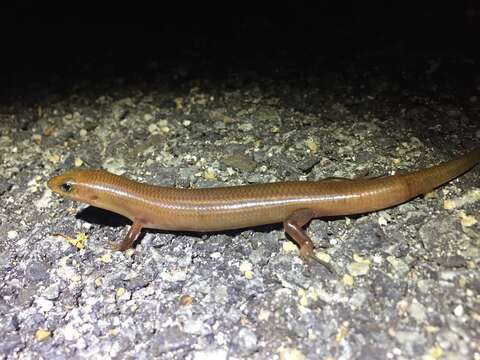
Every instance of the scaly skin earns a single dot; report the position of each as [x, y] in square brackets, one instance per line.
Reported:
[215, 209]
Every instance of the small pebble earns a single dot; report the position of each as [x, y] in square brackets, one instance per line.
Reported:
[70, 333]
[178, 103]
[359, 267]
[289, 246]
[37, 138]
[42, 334]
[210, 174]
[458, 311]
[417, 311]
[186, 300]
[347, 280]
[245, 127]
[264, 315]
[312, 145]
[398, 265]
[54, 158]
[246, 266]
[106, 258]
[153, 128]
[288, 353]
[44, 305]
[52, 292]
[467, 220]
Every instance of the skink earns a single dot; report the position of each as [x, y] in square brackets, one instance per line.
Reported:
[292, 203]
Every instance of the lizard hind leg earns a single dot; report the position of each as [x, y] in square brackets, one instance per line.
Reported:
[293, 226]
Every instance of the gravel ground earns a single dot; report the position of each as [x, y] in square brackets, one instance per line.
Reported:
[406, 284]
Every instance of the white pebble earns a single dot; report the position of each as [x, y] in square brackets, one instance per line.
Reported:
[70, 333]
[44, 305]
[458, 311]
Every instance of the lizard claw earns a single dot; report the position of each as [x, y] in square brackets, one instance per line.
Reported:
[307, 254]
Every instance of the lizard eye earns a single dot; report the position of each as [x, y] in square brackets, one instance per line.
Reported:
[66, 187]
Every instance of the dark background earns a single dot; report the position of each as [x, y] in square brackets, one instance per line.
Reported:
[74, 41]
